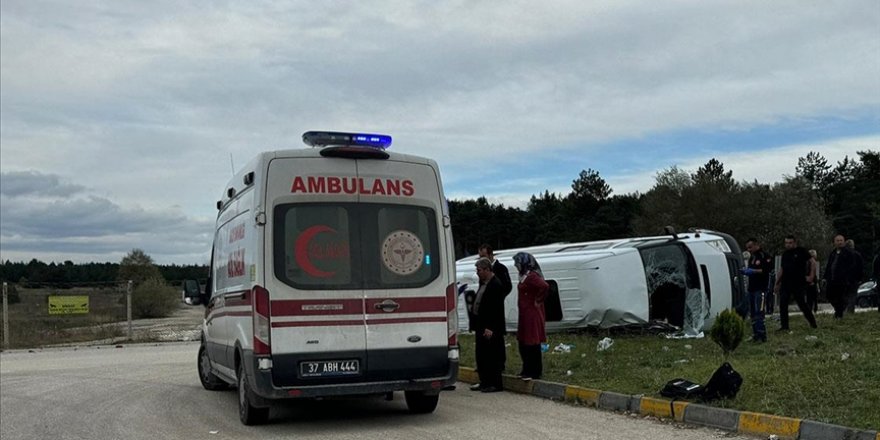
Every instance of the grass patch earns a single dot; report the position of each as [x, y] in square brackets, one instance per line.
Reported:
[833, 379]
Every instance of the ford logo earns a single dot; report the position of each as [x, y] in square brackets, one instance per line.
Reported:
[414, 339]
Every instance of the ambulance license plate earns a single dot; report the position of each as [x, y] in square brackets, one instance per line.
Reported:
[329, 368]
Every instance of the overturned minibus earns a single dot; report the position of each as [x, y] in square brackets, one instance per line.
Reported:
[684, 280]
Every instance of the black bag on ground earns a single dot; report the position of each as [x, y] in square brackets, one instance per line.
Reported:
[724, 384]
[681, 389]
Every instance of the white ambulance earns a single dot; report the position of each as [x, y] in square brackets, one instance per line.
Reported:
[332, 274]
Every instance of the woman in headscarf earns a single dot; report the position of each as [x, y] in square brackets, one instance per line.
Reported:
[532, 290]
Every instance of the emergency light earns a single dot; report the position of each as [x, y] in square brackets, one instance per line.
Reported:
[326, 138]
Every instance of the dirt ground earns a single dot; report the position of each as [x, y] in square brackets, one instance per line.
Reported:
[183, 325]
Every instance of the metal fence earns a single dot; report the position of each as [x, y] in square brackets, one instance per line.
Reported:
[57, 315]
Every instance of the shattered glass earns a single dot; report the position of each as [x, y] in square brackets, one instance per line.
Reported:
[695, 313]
[672, 299]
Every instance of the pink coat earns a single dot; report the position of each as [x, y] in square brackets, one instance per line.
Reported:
[531, 294]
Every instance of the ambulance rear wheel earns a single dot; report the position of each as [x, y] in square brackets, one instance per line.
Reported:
[248, 414]
[420, 403]
[208, 379]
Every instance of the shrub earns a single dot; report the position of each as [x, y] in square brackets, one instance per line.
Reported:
[728, 331]
[153, 299]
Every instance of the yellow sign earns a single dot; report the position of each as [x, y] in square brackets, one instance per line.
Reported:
[68, 304]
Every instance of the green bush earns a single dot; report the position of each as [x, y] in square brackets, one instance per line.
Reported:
[727, 331]
[153, 299]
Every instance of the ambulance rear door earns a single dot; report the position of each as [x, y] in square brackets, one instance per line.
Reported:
[407, 269]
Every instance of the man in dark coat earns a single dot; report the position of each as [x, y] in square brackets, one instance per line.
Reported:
[499, 269]
[839, 271]
[791, 281]
[489, 328]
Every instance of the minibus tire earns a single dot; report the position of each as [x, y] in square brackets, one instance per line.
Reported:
[248, 414]
[209, 381]
[420, 402]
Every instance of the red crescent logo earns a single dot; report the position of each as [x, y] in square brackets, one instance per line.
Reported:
[301, 251]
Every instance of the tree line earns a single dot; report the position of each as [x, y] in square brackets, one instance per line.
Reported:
[819, 199]
[69, 274]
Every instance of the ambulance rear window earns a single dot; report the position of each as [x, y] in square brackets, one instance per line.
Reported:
[355, 246]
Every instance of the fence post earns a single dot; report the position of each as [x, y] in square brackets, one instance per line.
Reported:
[128, 307]
[5, 316]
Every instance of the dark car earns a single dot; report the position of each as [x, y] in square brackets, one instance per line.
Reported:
[868, 295]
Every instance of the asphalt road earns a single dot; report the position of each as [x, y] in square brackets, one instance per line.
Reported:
[152, 392]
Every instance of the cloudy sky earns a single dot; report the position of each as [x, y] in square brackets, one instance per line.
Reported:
[120, 122]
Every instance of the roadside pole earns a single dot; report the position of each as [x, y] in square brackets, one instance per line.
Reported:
[5, 316]
[128, 306]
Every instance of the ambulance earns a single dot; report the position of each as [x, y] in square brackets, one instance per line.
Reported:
[332, 274]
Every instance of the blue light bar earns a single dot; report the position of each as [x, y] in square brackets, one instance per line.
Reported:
[325, 138]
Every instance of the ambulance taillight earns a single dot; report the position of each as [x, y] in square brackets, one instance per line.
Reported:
[451, 316]
[262, 321]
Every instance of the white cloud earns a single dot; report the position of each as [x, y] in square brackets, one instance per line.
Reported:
[143, 103]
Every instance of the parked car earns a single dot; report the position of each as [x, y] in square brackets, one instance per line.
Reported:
[868, 295]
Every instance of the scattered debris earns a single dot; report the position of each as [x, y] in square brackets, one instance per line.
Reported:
[605, 344]
[665, 348]
[563, 348]
[568, 373]
[688, 346]
[811, 338]
[844, 356]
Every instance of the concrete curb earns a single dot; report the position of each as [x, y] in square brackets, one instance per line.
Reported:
[745, 422]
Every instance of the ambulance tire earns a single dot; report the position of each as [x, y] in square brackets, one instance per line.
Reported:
[419, 402]
[248, 414]
[208, 379]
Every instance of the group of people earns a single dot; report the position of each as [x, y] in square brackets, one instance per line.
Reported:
[486, 313]
[798, 279]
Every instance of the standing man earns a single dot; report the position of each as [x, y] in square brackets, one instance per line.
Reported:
[758, 270]
[502, 274]
[839, 274]
[791, 281]
[856, 277]
[813, 285]
[499, 269]
[489, 328]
